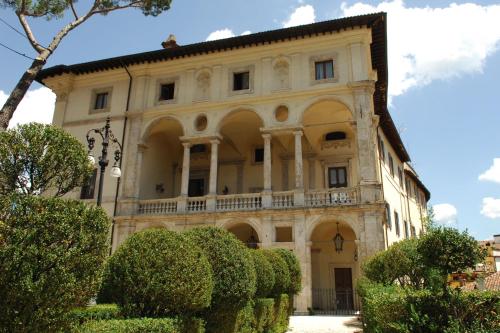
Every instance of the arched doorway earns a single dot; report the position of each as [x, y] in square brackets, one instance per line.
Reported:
[246, 233]
[161, 160]
[334, 268]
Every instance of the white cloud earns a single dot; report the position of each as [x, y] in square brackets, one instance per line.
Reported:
[491, 208]
[445, 213]
[246, 32]
[493, 173]
[36, 106]
[220, 34]
[301, 15]
[427, 44]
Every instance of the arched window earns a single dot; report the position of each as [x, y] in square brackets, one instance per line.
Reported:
[335, 136]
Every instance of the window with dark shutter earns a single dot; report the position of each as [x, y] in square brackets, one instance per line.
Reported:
[241, 81]
[101, 101]
[258, 156]
[167, 91]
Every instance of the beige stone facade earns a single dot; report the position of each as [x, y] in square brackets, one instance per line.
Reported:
[284, 155]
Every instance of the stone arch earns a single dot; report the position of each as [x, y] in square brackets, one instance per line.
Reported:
[243, 108]
[228, 224]
[153, 122]
[151, 225]
[344, 101]
[344, 219]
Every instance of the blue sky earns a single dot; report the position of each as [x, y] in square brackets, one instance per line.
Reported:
[444, 64]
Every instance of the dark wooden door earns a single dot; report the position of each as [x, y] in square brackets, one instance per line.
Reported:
[196, 187]
[343, 288]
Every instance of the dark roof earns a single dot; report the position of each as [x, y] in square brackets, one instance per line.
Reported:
[419, 184]
[377, 22]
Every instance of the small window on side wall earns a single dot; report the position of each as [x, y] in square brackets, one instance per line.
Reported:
[241, 81]
[332, 136]
[258, 155]
[101, 101]
[167, 91]
[324, 69]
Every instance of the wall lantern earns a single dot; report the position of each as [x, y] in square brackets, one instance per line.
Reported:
[338, 240]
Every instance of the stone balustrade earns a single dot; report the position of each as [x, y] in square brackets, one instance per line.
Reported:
[249, 202]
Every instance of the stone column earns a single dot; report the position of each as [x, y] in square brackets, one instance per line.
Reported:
[298, 196]
[267, 196]
[214, 157]
[302, 250]
[185, 169]
[212, 187]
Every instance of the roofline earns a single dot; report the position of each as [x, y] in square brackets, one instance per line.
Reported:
[376, 22]
[419, 183]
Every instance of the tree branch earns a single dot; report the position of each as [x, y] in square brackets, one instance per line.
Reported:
[24, 23]
[107, 10]
[73, 9]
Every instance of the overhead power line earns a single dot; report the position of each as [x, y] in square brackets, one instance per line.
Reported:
[13, 28]
[17, 52]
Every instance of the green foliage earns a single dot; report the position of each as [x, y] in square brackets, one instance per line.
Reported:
[449, 250]
[293, 265]
[51, 256]
[265, 273]
[159, 273]
[95, 312]
[56, 8]
[150, 325]
[37, 158]
[263, 315]
[391, 309]
[232, 265]
[281, 314]
[281, 273]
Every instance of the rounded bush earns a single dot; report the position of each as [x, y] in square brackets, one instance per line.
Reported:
[159, 272]
[232, 265]
[265, 273]
[293, 269]
[281, 273]
[51, 255]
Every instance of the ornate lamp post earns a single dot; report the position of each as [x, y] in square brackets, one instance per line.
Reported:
[108, 138]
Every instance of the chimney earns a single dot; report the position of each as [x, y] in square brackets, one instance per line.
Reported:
[170, 42]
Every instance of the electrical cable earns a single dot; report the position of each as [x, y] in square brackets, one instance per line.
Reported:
[17, 52]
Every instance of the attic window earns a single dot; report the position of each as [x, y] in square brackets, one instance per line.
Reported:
[332, 136]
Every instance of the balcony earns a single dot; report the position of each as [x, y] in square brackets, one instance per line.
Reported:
[250, 202]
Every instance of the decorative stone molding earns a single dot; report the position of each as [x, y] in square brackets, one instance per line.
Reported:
[336, 144]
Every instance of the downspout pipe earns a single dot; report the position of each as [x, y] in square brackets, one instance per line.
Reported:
[118, 182]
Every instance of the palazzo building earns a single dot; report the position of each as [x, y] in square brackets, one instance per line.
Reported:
[282, 137]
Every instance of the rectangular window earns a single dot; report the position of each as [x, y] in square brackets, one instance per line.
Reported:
[167, 91]
[400, 176]
[408, 189]
[241, 81]
[388, 212]
[258, 156]
[284, 234]
[396, 223]
[381, 149]
[391, 165]
[413, 232]
[101, 101]
[407, 231]
[337, 177]
[88, 187]
[324, 70]
[199, 148]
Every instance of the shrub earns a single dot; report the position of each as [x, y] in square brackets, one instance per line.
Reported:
[263, 315]
[95, 312]
[37, 158]
[159, 273]
[293, 269]
[265, 273]
[141, 325]
[281, 273]
[232, 265]
[51, 256]
[281, 313]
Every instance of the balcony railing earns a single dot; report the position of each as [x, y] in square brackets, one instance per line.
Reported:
[248, 202]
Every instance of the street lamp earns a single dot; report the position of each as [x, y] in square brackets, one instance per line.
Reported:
[108, 138]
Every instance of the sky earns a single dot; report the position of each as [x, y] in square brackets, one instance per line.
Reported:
[444, 73]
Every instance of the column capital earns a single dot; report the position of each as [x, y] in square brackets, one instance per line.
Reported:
[215, 141]
[298, 133]
[266, 136]
[187, 144]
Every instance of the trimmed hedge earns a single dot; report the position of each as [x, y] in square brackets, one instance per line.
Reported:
[232, 266]
[51, 256]
[263, 315]
[392, 309]
[265, 273]
[95, 312]
[281, 273]
[293, 269]
[158, 273]
[142, 325]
